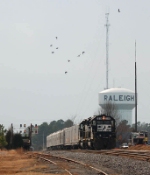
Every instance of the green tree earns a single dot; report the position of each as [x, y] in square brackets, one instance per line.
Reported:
[68, 123]
[60, 124]
[123, 131]
[3, 142]
[39, 139]
[52, 127]
[8, 139]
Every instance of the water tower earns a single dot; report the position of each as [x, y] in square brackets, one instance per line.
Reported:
[124, 99]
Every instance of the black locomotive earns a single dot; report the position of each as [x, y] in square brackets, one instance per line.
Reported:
[98, 132]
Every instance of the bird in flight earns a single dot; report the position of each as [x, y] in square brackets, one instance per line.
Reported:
[83, 52]
[51, 45]
[56, 47]
[56, 37]
[119, 10]
[78, 55]
[52, 52]
[66, 72]
[68, 60]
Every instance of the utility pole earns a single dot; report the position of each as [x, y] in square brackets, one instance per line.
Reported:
[107, 47]
[30, 134]
[135, 92]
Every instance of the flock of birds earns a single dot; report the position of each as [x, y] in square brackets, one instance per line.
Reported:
[51, 45]
[83, 52]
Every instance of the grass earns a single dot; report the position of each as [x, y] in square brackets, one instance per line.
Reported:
[15, 162]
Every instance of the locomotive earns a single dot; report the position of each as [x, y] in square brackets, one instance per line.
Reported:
[97, 132]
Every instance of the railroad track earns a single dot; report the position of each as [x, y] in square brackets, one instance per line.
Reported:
[57, 160]
[138, 155]
[135, 154]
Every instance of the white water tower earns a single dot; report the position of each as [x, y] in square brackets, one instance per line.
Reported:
[124, 99]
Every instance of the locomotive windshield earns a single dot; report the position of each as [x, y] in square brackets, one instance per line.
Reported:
[94, 122]
[104, 122]
[81, 126]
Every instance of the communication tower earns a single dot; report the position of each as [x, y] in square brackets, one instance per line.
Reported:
[135, 92]
[107, 47]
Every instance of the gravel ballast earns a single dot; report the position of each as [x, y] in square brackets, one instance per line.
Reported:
[109, 164]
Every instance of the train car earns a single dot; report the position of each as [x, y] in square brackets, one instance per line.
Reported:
[55, 140]
[75, 136]
[97, 132]
[50, 141]
[62, 139]
[67, 138]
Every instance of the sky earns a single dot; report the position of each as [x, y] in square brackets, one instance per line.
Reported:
[33, 85]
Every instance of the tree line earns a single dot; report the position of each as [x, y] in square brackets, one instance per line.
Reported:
[10, 140]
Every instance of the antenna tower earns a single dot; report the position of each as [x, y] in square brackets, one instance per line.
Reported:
[135, 92]
[107, 47]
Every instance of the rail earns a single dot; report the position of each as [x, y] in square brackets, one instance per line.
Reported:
[71, 160]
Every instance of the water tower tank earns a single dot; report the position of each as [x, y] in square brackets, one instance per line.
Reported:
[124, 99]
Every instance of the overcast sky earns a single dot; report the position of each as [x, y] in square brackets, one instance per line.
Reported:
[33, 85]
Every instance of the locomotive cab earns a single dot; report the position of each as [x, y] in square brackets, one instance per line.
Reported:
[84, 132]
[103, 124]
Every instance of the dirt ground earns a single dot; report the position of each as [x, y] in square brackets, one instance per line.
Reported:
[140, 147]
[17, 162]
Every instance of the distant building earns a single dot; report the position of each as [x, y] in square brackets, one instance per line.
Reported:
[124, 99]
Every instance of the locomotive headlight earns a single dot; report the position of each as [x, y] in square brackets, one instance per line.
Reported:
[103, 118]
